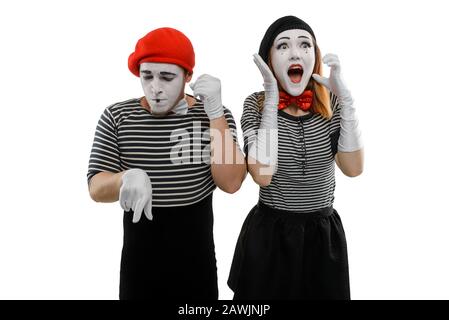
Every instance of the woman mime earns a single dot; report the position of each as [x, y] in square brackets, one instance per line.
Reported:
[292, 244]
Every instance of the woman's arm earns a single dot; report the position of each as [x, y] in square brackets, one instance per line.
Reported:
[260, 172]
[349, 157]
[262, 152]
[350, 163]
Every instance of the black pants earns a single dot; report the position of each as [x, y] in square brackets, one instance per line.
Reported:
[287, 255]
[171, 257]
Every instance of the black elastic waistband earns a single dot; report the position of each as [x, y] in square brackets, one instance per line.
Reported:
[319, 213]
[205, 203]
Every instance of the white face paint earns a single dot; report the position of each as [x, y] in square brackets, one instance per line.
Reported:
[163, 85]
[293, 59]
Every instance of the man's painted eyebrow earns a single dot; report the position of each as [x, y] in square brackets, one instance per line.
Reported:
[304, 37]
[287, 38]
[164, 73]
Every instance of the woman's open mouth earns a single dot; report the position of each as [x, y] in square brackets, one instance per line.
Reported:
[295, 73]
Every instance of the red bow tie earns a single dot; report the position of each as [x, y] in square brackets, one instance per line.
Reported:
[303, 102]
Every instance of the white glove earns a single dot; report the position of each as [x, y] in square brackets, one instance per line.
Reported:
[269, 83]
[266, 149]
[350, 136]
[208, 89]
[136, 193]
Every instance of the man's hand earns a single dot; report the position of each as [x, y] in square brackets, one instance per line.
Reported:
[208, 89]
[136, 193]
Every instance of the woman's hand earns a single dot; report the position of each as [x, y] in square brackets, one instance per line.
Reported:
[269, 81]
[350, 140]
[263, 152]
[335, 81]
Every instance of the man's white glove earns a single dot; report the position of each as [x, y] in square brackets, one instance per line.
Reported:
[350, 136]
[136, 193]
[208, 89]
[265, 150]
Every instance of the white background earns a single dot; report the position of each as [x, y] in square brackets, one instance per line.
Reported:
[63, 62]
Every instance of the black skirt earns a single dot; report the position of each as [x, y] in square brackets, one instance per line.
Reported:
[288, 255]
[170, 257]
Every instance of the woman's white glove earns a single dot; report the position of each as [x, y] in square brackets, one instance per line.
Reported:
[208, 88]
[136, 193]
[266, 149]
[350, 136]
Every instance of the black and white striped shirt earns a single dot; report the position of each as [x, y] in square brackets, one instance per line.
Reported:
[305, 176]
[173, 150]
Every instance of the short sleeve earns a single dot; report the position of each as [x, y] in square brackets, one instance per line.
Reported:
[231, 124]
[250, 120]
[334, 132]
[105, 154]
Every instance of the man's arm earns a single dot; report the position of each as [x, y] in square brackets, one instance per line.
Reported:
[228, 167]
[227, 161]
[105, 186]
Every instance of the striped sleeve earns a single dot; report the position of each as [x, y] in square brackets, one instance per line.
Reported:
[250, 120]
[105, 154]
[334, 132]
[231, 124]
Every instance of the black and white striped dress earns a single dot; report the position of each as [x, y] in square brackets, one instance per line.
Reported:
[173, 150]
[305, 177]
[292, 243]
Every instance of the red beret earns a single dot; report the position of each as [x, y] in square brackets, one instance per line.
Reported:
[164, 45]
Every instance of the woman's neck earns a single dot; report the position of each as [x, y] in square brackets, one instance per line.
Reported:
[295, 111]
